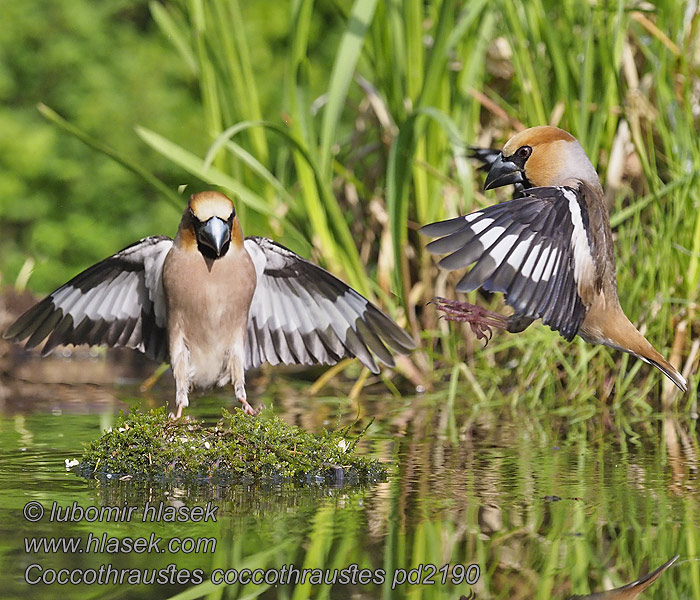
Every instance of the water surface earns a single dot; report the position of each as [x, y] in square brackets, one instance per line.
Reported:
[518, 505]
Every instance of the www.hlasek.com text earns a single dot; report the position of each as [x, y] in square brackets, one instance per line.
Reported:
[104, 543]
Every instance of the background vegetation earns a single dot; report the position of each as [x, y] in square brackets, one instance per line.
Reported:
[339, 128]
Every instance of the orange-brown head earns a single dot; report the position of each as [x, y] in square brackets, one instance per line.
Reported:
[209, 225]
[542, 156]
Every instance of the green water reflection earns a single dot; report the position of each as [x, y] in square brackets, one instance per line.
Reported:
[542, 508]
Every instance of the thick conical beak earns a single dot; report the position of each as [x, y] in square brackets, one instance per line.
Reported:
[214, 234]
[503, 172]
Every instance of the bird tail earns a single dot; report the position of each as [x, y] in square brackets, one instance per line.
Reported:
[669, 370]
[626, 337]
[648, 354]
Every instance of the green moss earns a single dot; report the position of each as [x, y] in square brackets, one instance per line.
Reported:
[238, 447]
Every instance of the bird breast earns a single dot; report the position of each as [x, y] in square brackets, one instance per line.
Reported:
[207, 308]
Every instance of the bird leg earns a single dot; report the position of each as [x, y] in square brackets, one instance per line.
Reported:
[480, 319]
[180, 360]
[236, 362]
[239, 390]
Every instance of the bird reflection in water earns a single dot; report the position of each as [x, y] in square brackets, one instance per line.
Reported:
[626, 592]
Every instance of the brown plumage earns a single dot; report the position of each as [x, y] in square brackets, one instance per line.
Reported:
[214, 304]
[549, 250]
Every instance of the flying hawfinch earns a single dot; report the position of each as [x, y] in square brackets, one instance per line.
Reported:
[549, 250]
[214, 305]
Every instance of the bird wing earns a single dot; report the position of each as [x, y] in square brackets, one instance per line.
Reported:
[535, 249]
[117, 302]
[486, 156]
[301, 314]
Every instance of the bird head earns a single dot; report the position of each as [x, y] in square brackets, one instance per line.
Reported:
[210, 225]
[541, 156]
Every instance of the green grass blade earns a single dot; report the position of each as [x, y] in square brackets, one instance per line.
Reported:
[207, 78]
[176, 34]
[341, 76]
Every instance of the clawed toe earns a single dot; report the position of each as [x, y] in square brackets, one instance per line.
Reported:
[249, 410]
[174, 416]
[480, 319]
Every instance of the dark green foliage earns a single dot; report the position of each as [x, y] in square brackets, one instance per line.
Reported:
[105, 67]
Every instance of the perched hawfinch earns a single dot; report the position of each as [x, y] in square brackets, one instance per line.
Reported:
[549, 250]
[214, 305]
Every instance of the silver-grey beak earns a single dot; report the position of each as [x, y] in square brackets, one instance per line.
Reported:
[214, 234]
[503, 172]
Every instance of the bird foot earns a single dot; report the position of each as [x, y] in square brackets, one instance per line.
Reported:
[249, 410]
[480, 319]
[174, 416]
[239, 391]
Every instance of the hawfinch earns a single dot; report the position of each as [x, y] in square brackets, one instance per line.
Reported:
[549, 250]
[214, 304]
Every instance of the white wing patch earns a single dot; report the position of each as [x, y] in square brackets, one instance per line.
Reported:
[531, 261]
[479, 226]
[584, 269]
[551, 265]
[503, 247]
[519, 254]
[540, 272]
[490, 235]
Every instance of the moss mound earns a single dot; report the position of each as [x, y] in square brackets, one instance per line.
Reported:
[239, 448]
